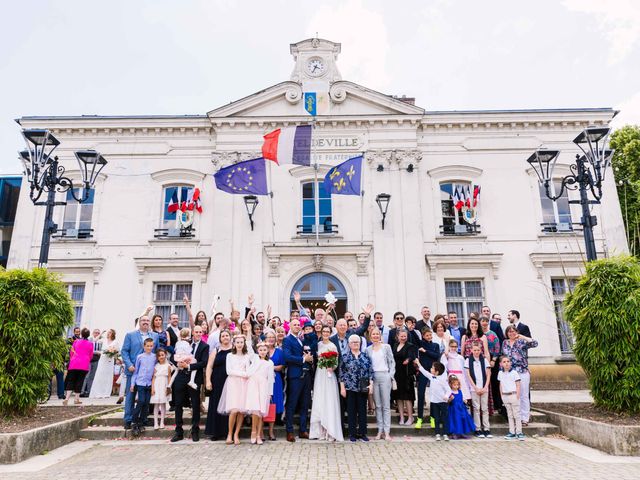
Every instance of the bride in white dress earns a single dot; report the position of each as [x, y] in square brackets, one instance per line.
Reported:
[103, 380]
[325, 411]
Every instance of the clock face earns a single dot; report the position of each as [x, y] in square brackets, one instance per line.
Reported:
[316, 67]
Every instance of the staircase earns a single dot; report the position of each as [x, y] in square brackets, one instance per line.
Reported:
[110, 427]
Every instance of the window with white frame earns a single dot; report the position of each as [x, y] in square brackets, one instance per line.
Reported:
[464, 297]
[556, 216]
[168, 298]
[452, 218]
[559, 288]
[76, 292]
[309, 209]
[181, 194]
[78, 215]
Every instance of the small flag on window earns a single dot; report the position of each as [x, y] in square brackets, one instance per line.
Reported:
[174, 204]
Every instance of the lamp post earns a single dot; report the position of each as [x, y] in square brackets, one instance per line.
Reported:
[383, 199]
[45, 174]
[250, 203]
[587, 175]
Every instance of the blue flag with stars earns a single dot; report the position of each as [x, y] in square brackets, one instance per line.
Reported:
[248, 177]
[346, 178]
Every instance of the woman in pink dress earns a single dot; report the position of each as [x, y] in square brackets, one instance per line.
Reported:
[234, 393]
[259, 389]
[79, 360]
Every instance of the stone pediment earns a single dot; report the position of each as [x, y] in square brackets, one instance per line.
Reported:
[285, 100]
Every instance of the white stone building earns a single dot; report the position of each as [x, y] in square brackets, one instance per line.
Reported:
[424, 256]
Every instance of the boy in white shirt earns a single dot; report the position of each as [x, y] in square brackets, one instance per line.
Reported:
[510, 391]
[440, 396]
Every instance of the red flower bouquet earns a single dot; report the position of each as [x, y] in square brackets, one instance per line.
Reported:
[328, 359]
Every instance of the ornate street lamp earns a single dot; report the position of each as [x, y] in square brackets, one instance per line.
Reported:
[587, 175]
[45, 174]
[250, 202]
[383, 199]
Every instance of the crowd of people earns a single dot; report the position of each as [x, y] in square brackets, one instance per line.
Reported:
[325, 372]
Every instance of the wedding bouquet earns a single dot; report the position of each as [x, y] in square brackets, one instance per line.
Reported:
[328, 360]
[111, 352]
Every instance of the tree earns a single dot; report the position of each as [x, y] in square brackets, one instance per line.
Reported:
[604, 312]
[626, 167]
[35, 310]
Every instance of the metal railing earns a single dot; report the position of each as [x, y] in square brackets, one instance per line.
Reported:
[324, 229]
[560, 227]
[73, 233]
[174, 233]
[460, 230]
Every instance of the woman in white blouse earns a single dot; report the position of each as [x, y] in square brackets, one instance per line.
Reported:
[384, 367]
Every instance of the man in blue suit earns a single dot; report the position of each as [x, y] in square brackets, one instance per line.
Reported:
[455, 330]
[298, 379]
[131, 348]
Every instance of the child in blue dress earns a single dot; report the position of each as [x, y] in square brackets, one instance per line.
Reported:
[460, 422]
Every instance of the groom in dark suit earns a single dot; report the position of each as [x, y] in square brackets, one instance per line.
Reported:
[514, 319]
[299, 383]
[183, 393]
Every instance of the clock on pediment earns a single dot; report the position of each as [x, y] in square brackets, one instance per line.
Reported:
[315, 61]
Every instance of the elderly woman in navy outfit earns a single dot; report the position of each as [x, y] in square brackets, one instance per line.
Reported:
[356, 384]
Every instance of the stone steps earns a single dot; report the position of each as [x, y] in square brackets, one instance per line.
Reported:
[110, 427]
[115, 419]
[113, 433]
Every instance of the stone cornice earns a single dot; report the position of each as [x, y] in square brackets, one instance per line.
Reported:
[516, 120]
[437, 261]
[169, 264]
[75, 265]
[178, 175]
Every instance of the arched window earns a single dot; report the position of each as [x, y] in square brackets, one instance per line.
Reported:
[168, 219]
[556, 216]
[453, 196]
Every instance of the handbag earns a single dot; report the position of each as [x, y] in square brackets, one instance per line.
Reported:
[363, 385]
[394, 384]
[271, 415]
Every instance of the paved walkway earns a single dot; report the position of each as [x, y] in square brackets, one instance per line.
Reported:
[551, 459]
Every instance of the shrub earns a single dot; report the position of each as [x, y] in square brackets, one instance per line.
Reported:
[604, 312]
[35, 310]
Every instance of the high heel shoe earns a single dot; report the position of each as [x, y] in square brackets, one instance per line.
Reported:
[229, 441]
[259, 441]
[253, 440]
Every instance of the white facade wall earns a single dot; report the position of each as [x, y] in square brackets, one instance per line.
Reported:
[401, 267]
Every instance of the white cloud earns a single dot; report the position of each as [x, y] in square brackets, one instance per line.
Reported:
[629, 112]
[363, 35]
[619, 20]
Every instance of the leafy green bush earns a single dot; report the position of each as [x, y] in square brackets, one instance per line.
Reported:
[35, 310]
[604, 312]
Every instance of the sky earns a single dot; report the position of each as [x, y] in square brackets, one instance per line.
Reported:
[161, 57]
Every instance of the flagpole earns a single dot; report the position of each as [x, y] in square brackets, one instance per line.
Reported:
[361, 206]
[316, 187]
[273, 223]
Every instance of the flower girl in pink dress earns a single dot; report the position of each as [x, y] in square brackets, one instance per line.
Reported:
[455, 366]
[259, 389]
[234, 393]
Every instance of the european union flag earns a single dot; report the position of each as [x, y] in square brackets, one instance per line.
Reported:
[346, 178]
[310, 103]
[248, 177]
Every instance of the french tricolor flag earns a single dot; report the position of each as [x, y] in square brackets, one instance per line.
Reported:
[288, 145]
[174, 204]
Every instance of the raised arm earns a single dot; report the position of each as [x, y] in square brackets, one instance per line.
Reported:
[367, 320]
[187, 305]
